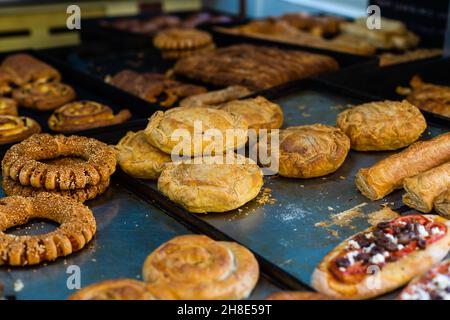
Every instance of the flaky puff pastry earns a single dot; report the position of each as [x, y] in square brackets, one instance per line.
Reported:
[167, 130]
[213, 185]
[388, 174]
[216, 97]
[442, 204]
[307, 151]
[297, 295]
[195, 267]
[138, 158]
[382, 125]
[424, 188]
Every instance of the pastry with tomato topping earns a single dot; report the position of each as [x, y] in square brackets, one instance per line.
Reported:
[433, 285]
[383, 257]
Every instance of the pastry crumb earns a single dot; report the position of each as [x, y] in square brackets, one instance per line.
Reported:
[18, 285]
[385, 214]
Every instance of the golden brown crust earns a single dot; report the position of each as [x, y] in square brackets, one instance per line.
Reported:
[138, 158]
[442, 204]
[179, 54]
[163, 125]
[387, 59]
[259, 112]
[82, 115]
[382, 125]
[14, 129]
[297, 295]
[76, 228]
[181, 39]
[216, 97]
[388, 174]
[197, 267]
[22, 162]
[8, 106]
[43, 96]
[392, 276]
[423, 189]
[211, 187]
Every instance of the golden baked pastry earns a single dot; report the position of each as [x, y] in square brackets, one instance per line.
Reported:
[181, 39]
[8, 107]
[388, 174]
[423, 189]
[43, 96]
[118, 289]
[82, 115]
[22, 162]
[308, 151]
[179, 54]
[297, 295]
[197, 267]
[259, 112]
[388, 58]
[6, 82]
[163, 127]
[382, 125]
[212, 185]
[138, 158]
[76, 228]
[13, 129]
[442, 204]
[216, 97]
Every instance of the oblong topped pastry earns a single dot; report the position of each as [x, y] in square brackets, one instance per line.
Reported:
[211, 185]
[382, 125]
[190, 131]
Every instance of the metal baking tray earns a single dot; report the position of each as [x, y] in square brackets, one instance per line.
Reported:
[381, 83]
[284, 234]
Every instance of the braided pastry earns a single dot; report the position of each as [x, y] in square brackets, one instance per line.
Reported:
[22, 162]
[197, 267]
[81, 115]
[76, 228]
[13, 129]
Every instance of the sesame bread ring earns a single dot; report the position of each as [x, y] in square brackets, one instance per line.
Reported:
[76, 228]
[25, 162]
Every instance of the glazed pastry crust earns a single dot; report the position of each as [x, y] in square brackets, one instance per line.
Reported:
[22, 162]
[76, 228]
[442, 204]
[181, 39]
[259, 112]
[382, 125]
[138, 158]
[82, 115]
[297, 295]
[423, 189]
[211, 187]
[388, 174]
[43, 96]
[214, 98]
[162, 126]
[8, 107]
[14, 129]
[195, 267]
[392, 276]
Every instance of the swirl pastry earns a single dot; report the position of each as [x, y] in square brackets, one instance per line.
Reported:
[22, 162]
[216, 97]
[297, 295]
[184, 131]
[442, 204]
[212, 186]
[388, 174]
[76, 228]
[181, 39]
[6, 82]
[8, 107]
[138, 158]
[423, 189]
[13, 129]
[382, 125]
[82, 115]
[197, 267]
[43, 96]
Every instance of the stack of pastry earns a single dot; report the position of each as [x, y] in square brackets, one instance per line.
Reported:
[74, 166]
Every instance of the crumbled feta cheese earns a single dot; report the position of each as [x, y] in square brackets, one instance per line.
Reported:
[351, 256]
[436, 231]
[342, 269]
[400, 247]
[369, 235]
[369, 248]
[353, 244]
[422, 232]
[442, 281]
[377, 259]
[386, 254]
[391, 238]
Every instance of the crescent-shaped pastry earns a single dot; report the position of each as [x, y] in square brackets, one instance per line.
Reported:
[213, 185]
[307, 151]
[76, 228]
[192, 131]
[388, 174]
[8, 107]
[195, 267]
[442, 204]
[382, 125]
[14, 129]
[82, 115]
[423, 189]
[181, 39]
[23, 162]
[383, 258]
[43, 96]
[216, 97]
[297, 295]
[259, 112]
[138, 158]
